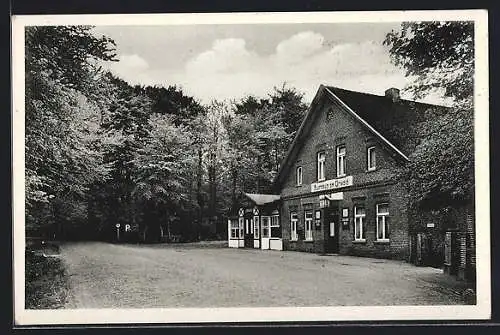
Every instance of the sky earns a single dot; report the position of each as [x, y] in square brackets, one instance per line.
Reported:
[232, 61]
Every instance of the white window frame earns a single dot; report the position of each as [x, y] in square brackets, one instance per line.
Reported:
[275, 222]
[320, 159]
[264, 226]
[369, 152]
[235, 229]
[241, 221]
[382, 219]
[298, 175]
[362, 219]
[294, 220]
[341, 165]
[256, 229]
[308, 223]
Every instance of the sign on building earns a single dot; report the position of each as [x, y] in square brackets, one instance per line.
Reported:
[332, 184]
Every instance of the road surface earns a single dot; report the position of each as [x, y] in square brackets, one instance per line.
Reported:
[105, 275]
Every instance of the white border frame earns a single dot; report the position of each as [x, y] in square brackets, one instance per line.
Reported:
[196, 315]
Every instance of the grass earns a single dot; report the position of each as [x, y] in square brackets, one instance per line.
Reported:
[46, 279]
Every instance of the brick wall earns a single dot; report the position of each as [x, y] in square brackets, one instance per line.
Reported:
[398, 245]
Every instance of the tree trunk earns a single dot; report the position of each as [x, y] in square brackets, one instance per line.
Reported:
[235, 179]
[199, 196]
[258, 175]
[277, 165]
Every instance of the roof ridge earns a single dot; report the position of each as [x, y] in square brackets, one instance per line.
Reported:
[368, 125]
[383, 97]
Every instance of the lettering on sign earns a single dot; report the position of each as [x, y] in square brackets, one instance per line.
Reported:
[332, 184]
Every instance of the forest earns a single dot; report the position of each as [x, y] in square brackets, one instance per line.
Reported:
[100, 152]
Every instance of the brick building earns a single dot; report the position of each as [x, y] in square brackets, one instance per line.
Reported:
[337, 190]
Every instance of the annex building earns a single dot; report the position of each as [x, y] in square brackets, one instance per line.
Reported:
[338, 190]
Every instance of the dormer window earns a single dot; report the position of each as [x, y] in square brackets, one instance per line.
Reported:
[371, 158]
[341, 161]
[321, 166]
[299, 176]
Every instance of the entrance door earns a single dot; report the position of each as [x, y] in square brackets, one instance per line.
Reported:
[248, 233]
[332, 228]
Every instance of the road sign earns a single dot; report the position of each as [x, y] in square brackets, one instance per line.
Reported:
[117, 225]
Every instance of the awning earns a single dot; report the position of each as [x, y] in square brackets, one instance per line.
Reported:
[262, 199]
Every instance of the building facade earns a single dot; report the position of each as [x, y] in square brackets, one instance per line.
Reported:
[338, 189]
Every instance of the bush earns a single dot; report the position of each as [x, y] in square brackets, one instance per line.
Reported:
[46, 282]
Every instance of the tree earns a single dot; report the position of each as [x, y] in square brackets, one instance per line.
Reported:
[163, 170]
[215, 147]
[129, 116]
[172, 101]
[69, 55]
[63, 112]
[440, 56]
[259, 133]
[288, 103]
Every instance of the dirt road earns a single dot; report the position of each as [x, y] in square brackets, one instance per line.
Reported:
[134, 276]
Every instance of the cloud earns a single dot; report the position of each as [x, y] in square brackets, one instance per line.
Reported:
[226, 56]
[132, 68]
[299, 47]
[230, 70]
[133, 62]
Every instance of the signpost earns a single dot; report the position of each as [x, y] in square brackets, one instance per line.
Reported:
[117, 231]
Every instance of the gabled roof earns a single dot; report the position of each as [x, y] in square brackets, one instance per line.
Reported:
[262, 199]
[394, 123]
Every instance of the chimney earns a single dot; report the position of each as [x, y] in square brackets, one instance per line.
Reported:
[393, 94]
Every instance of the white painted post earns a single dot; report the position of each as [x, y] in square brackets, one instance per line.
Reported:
[117, 232]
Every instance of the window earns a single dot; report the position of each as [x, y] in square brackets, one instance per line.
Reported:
[275, 226]
[359, 223]
[235, 229]
[241, 227]
[345, 218]
[247, 226]
[308, 224]
[299, 176]
[293, 226]
[341, 161]
[265, 226]
[382, 222]
[317, 219]
[371, 159]
[321, 165]
[256, 227]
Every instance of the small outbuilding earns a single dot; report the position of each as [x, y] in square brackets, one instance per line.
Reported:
[255, 222]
